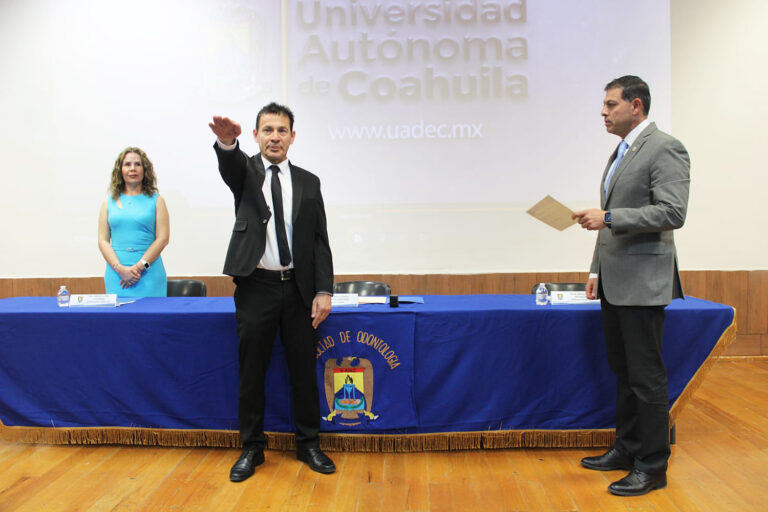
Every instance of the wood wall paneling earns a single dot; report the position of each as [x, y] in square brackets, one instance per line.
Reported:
[746, 345]
[757, 309]
[6, 288]
[734, 291]
[715, 290]
[694, 283]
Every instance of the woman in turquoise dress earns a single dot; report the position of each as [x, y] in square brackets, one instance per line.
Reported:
[134, 229]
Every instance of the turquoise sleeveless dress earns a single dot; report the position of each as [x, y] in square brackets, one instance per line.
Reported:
[132, 230]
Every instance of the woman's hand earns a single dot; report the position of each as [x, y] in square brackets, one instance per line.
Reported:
[129, 276]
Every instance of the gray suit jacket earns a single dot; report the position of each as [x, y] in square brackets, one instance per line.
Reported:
[635, 258]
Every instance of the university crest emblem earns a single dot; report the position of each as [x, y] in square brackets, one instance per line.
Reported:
[349, 391]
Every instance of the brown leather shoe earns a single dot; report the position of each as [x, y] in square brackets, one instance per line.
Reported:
[638, 483]
[246, 464]
[609, 461]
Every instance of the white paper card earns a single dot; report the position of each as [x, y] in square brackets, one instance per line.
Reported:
[563, 297]
[373, 299]
[102, 300]
[344, 300]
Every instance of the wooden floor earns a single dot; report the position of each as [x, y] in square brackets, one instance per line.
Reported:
[720, 463]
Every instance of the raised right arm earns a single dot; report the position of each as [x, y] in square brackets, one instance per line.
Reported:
[232, 162]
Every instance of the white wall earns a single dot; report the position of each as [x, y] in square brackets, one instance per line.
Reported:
[85, 78]
[719, 84]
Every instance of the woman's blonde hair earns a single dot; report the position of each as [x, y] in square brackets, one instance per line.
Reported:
[148, 184]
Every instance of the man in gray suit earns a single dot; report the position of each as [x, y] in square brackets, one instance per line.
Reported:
[644, 197]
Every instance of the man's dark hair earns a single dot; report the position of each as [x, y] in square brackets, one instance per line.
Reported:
[275, 108]
[632, 87]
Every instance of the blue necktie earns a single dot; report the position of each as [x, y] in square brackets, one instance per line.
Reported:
[623, 146]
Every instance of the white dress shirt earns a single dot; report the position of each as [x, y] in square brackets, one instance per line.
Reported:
[271, 258]
[636, 131]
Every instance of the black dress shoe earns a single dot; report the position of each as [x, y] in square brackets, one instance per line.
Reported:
[609, 461]
[638, 483]
[316, 459]
[246, 463]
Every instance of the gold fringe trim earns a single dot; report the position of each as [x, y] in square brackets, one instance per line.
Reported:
[451, 441]
[726, 339]
[444, 441]
[746, 359]
[121, 435]
[390, 443]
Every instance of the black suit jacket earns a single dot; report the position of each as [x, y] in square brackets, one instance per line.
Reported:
[311, 252]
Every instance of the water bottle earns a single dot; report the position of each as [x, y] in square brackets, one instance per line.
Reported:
[62, 298]
[542, 295]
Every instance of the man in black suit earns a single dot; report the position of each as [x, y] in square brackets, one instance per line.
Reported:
[280, 260]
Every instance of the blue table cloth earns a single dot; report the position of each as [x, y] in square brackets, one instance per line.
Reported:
[452, 364]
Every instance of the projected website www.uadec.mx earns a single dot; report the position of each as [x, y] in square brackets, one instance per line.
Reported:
[420, 130]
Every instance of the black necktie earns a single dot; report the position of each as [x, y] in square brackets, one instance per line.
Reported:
[277, 203]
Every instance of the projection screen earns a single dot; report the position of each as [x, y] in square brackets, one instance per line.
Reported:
[433, 124]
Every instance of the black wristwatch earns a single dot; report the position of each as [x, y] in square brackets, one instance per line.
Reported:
[607, 219]
[144, 263]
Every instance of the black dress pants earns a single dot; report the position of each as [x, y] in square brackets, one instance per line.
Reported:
[633, 336]
[263, 305]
